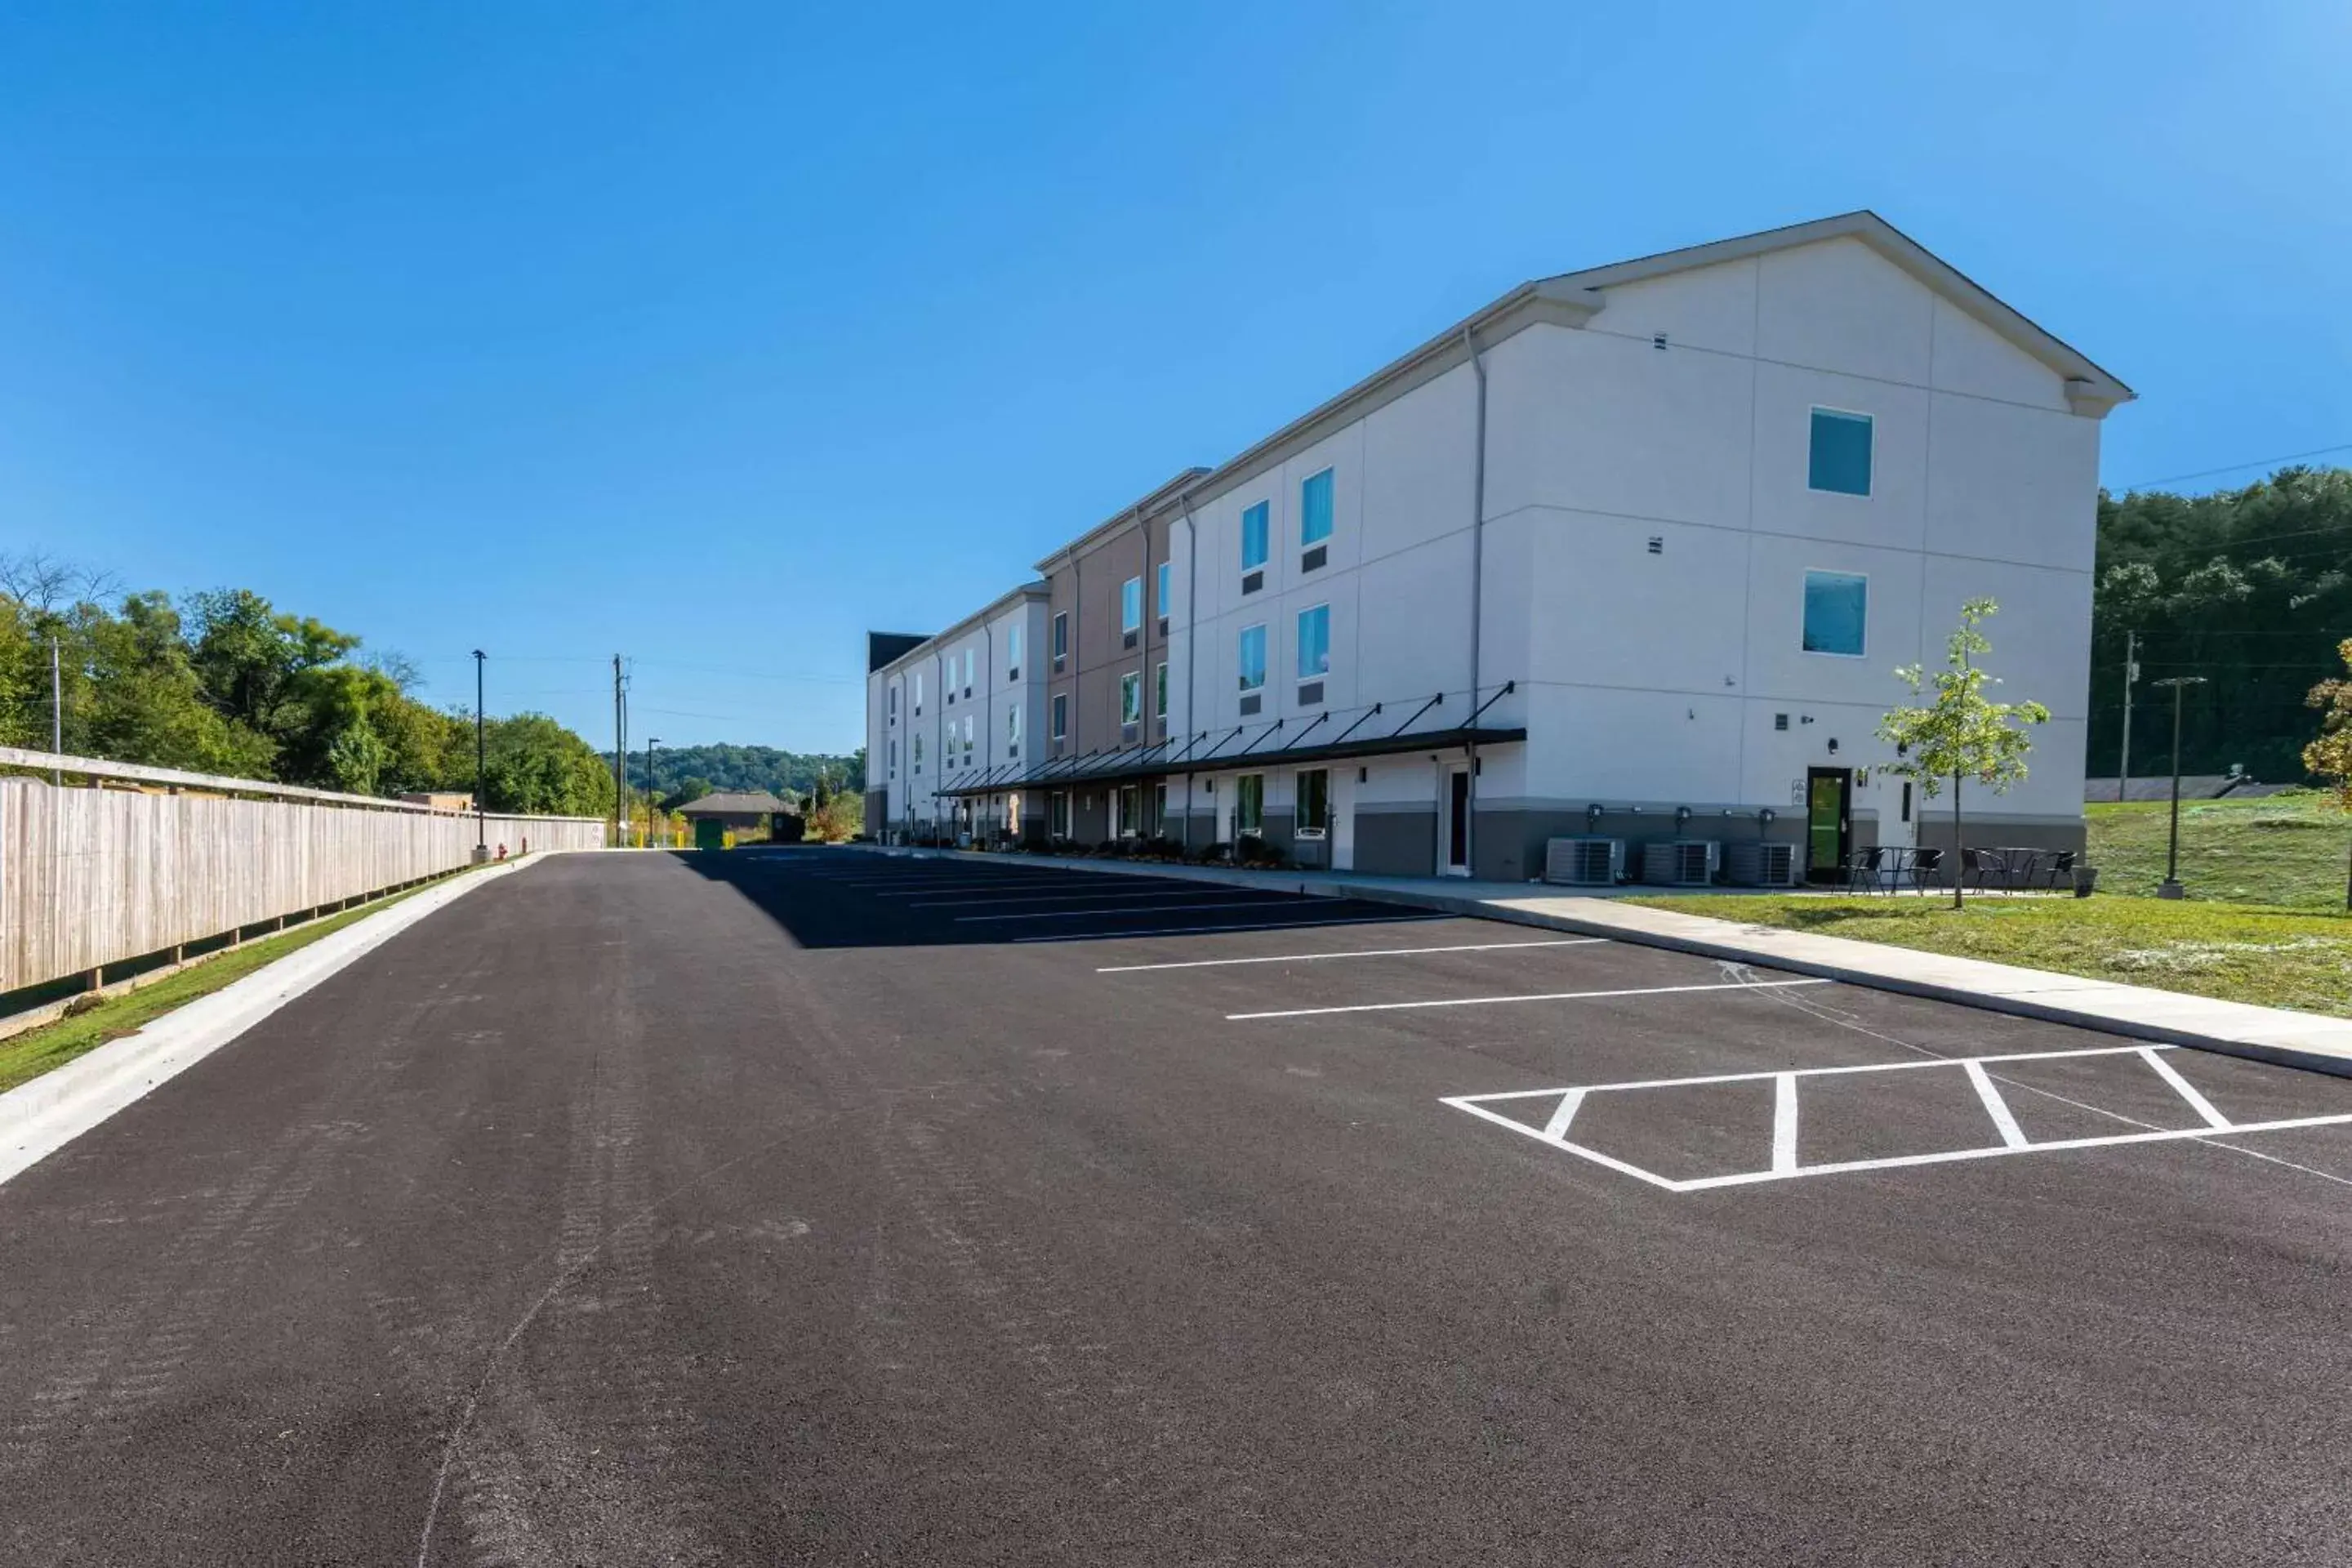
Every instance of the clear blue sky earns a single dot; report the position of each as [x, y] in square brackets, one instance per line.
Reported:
[716, 335]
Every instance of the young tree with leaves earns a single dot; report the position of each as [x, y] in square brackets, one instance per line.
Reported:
[1961, 733]
[2330, 756]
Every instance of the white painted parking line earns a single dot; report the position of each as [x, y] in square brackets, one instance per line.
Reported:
[1359, 952]
[2182, 1087]
[1095, 893]
[1540, 996]
[2004, 1122]
[1305, 922]
[928, 890]
[1258, 903]
[1784, 1121]
[1783, 1164]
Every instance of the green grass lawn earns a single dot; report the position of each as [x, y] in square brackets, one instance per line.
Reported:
[35, 1051]
[2288, 850]
[2275, 957]
[2263, 921]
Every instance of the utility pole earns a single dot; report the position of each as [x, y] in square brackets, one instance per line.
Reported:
[2172, 885]
[57, 713]
[620, 761]
[2131, 679]
[651, 741]
[481, 839]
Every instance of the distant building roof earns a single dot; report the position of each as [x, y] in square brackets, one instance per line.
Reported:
[733, 802]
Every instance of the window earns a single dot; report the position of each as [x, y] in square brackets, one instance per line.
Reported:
[1164, 585]
[967, 739]
[1159, 689]
[894, 759]
[1130, 698]
[1127, 804]
[1252, 657]
[1249, 804]
[1061, 714]
[918, 691]
[918, 754]
[1131, 604]
[1012, 651]
[1012, 728]
[1837, 605]
[970, 659]
[1841, 452]
[1061, 636]
[1315, 509]
[1058, 813]
[1253, 540]
[1314, 799]
[894, 702]
[1314, 642]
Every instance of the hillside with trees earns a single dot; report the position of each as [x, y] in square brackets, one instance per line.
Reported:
[2251, 589]
[688, 772]
[224, 682]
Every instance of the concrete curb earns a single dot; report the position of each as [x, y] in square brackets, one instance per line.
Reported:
[39, 1117]
[2304, 1040]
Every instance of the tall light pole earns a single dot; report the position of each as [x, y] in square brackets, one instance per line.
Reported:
[2171, 886]
[481, 839]
[651, 741]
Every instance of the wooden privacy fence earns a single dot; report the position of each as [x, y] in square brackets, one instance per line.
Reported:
[92, 876]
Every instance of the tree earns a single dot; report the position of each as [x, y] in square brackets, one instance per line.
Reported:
[1963, 733]
[2330, 756]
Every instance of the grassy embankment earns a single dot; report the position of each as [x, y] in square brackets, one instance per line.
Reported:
[2263, 923]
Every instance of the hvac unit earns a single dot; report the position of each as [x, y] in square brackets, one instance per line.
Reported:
[1585, 862]
[1681, 862]
[1749, 865]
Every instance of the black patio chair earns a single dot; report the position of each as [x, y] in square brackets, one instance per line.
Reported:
[2061, 864]
[1925, 865]
[1978, 863]
[1861, 868]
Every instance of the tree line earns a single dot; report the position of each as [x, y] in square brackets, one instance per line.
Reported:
[225, 682]
[690, 773]
[2250, 588]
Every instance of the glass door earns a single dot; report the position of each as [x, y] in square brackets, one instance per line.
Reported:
[1828, 822]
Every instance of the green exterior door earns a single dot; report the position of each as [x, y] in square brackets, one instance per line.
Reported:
[710, 833]
[1828, 791]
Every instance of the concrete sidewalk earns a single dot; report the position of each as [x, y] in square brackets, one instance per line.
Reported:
[2234, 1028]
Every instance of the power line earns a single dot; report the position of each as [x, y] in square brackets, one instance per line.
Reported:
[2237, 468]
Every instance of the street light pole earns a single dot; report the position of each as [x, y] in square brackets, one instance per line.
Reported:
[2172, 885]
[481, 839]
[651, 792]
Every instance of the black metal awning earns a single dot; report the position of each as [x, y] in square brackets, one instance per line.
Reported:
[1159, 762]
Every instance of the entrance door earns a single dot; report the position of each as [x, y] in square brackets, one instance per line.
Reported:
[1455, 823]
[1828, 827]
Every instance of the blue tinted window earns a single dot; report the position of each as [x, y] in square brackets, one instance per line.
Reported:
[1837, 605]
[1253, 658]
[1162, 585]
[1841, 454]
[1253, 537]
[1315, 509]
[1131, 604]
[1314, 641]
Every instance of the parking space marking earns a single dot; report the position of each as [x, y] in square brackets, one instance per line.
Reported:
[1784, 1165]
[1093, 893]
[2182, 1087]
[1540, 997]
[1305, 922]
[1258, 903]
[2004, 1120]
[1359, 952]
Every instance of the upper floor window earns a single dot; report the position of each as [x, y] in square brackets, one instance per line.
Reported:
[1253, 656]
[1130, 605]
[1061, 715]
[1840, 462]
[918, 691]
[1130, 698]
[1061, 636]
[1013, 724]
[971, 658]
[1254, 535]
[1837, 606]
[967, 737]
[1314, 642]
[1013, 649]
[1163, 587]
[1160, 691]
[1315, 509]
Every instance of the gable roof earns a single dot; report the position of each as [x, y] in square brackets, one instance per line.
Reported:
[1572, 298]
[732, 803]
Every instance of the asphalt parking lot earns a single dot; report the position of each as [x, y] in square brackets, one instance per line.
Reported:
[830, 1206]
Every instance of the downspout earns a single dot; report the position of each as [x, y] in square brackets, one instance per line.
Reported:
[1191, 643]
[1477, 601]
